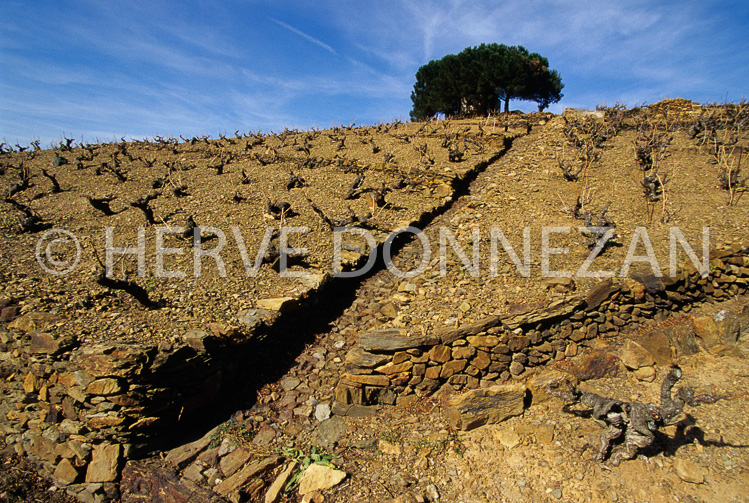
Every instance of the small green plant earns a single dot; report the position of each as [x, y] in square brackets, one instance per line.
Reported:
[217, 437]
[316, 456]
[232, 429]
[450, 441]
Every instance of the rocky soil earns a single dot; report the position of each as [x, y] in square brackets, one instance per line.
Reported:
[378, 178]
[556, 170]
[412, 453]
[21, 481]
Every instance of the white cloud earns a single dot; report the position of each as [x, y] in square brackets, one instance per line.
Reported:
[309, 38]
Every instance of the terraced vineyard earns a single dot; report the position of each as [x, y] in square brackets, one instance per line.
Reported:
[224, 298]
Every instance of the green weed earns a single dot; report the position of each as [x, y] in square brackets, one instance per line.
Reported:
[316, 456]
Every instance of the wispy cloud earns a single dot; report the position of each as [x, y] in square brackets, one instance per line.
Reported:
[309, 38]
[147, 68]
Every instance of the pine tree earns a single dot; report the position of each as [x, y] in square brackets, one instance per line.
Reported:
[479, 79]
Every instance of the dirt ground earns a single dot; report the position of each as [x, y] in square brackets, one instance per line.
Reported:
[20, 482]
[412, 171]
[409, 453]
[400, 171]
[526, 192]
[546, 455]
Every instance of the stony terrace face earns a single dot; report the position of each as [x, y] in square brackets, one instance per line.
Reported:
[387, 364]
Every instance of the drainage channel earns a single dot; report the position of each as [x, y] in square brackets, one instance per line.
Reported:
[268, 356]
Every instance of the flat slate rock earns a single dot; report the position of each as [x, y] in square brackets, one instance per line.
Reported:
[486, 406]
[181, 455]
[46, 343]
[111, 360]
[450, 335]
[390, 339]
[651, 282]
[330, 431]
[250, 470]
[35, 320]
[104, 462]
[600, 293]
[318, 478]
[525, 314]
[342, 409]
[364, 359]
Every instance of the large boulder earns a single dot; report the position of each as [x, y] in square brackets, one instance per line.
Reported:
[682, 339]
[657, 343]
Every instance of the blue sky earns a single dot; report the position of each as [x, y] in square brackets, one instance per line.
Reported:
[103, 69]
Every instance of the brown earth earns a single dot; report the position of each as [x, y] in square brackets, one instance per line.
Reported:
[257, 169]
[409, 451]
[21, 482]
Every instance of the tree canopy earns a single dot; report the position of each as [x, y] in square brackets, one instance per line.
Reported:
[479, 79]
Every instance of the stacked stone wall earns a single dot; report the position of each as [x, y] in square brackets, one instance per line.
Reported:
[388, 365]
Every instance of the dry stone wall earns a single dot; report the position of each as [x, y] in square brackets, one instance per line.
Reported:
[82, 410]
[388, 365]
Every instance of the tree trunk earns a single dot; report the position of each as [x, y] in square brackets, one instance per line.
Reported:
[507, 105]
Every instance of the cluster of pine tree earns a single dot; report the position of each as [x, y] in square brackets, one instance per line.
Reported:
[479, 79]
